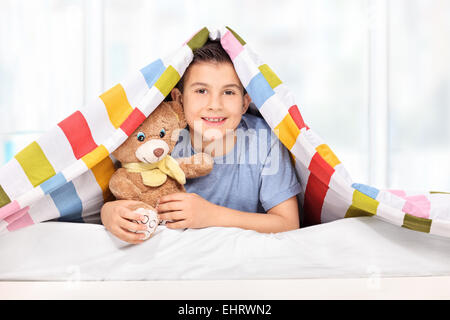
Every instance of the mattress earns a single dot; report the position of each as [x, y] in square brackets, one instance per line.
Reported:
[363, 247]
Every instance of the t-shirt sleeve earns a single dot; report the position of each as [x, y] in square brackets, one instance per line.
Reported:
[278, 178]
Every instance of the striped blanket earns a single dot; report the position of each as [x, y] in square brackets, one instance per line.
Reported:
[64, 174]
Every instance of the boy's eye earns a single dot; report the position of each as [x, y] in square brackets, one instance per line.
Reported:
[201, 91]
[162, 133]
[229, 92]
[141, 136]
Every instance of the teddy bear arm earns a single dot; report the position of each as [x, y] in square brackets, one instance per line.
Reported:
[200, 164]
[123, 188]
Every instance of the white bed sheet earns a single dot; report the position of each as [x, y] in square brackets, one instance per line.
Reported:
[348, 248]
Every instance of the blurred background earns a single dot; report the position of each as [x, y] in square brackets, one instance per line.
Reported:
[371, 77]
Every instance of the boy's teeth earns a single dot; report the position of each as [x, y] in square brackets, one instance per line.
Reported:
[214, 120]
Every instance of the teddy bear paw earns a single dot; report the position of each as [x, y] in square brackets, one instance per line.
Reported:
[151, 221]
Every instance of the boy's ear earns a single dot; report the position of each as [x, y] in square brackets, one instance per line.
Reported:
[247, 101]
[179, 111]
[176, 95]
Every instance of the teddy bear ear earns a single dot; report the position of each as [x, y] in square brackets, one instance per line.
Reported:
[178, 109]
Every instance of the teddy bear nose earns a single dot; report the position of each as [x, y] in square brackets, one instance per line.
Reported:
[158, 152]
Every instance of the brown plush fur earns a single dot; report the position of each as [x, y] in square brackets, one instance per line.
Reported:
[128, 185]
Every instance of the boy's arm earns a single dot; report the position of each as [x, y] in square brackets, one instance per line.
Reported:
[282, 217]
[189, 210]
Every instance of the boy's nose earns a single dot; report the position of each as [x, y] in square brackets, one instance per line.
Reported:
[215, 103]
[213, 106]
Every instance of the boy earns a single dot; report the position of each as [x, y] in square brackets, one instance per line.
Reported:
[236, 192]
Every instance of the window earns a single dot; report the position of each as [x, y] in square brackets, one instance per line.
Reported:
[419, 86]
[41, 68]
[371, 77]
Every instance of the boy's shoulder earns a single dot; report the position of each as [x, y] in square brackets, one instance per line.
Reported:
[256, 135]
[255, 122]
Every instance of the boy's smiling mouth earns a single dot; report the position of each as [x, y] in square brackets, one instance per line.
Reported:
[214, 121]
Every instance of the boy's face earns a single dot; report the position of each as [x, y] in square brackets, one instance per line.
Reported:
[213, 99]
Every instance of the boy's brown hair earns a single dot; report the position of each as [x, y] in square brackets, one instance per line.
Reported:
[212, 51]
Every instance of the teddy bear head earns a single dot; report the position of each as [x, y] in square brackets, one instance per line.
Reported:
[156, 137]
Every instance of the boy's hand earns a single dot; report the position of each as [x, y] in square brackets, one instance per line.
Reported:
[116, 217]
[186, 210]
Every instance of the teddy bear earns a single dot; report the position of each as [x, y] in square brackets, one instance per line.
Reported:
[147, 170]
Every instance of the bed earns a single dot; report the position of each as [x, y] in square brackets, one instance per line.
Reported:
[358, 258]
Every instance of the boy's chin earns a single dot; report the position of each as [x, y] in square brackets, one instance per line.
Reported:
[211, 135]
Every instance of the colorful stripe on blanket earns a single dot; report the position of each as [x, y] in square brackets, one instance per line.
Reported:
[64, 174]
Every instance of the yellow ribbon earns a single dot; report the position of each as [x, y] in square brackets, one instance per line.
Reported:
[155, 174]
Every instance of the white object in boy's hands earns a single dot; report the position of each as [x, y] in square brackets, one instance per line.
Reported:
[151, 221]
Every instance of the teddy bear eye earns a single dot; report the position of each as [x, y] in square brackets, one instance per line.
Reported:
[162, 133]
[141, 136]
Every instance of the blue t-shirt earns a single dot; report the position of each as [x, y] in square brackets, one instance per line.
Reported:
[256, 175]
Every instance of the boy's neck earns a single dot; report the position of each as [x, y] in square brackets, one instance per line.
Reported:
[215, 148]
